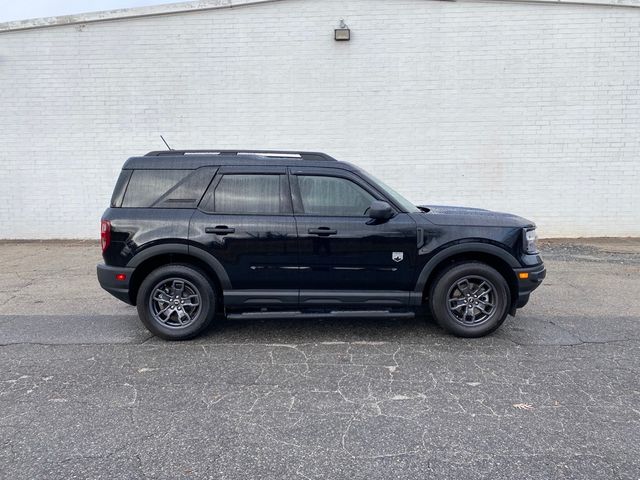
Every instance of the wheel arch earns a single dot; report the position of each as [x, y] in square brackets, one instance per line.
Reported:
[154, 257]
[491, 255]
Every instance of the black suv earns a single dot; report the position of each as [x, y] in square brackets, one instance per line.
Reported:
[265, 234]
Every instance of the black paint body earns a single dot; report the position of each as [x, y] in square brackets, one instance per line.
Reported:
[274, 261]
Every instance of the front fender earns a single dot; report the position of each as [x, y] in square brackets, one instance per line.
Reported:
[466, 247]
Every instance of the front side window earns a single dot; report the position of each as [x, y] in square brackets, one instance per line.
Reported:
[247, 194]
[332, 196]
[395, 196]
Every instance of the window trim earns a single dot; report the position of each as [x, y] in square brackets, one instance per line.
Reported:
[284, 185]
[298, 206]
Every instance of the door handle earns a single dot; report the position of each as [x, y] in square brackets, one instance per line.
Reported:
[322, 231]
[220, 230]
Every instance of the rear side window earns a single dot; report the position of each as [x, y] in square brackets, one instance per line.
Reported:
[247, 194]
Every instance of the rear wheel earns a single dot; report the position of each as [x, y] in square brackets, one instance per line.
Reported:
[176, 302]
[470, 299]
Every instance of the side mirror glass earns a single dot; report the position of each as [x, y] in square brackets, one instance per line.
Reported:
[380, 210]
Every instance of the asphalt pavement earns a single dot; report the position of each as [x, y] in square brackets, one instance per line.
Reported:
[87, 392]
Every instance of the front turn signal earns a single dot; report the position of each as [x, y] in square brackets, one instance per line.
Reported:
[523, 275]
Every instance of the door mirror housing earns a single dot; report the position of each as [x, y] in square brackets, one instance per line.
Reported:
[380, 210]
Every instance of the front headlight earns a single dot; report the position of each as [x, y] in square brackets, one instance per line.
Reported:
[531, 241]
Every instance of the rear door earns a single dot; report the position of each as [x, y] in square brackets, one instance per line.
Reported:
[245, 220]
[345, 256]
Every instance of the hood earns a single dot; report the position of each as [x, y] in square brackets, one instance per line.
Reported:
[466, 216]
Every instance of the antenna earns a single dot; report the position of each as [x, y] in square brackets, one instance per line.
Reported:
[165, 142]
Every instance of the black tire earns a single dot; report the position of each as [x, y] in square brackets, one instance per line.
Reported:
[469, 299]
[185, 316]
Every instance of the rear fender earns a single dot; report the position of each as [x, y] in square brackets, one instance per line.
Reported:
[183, 249]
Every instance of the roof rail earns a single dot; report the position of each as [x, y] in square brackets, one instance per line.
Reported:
[264, 153]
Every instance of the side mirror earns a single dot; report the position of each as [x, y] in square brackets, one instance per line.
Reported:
[380, 210]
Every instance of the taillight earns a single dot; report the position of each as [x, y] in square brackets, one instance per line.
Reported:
[105, 234]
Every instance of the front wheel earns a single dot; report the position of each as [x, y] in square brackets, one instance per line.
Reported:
[469, 299]
[176, 302]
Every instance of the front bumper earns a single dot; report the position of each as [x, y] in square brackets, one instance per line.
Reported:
[526, 286]
[117, 288]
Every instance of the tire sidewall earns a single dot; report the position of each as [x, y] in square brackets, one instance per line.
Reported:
[438, 299]
[207, 297]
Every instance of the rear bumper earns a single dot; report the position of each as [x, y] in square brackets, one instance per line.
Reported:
[117, 288]
[526, 286]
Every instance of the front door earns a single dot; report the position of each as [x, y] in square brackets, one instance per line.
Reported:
[345, 256]
[245, 221]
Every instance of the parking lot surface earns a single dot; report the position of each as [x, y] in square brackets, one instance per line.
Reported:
[87, 392]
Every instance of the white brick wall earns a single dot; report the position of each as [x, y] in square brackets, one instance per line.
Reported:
[529, 108]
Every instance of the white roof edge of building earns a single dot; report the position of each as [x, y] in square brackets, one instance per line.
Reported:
[183, 7]
[124, 13]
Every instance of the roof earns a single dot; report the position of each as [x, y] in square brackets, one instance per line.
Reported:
[189, 161]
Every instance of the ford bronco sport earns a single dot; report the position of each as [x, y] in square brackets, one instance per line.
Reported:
[273, 234]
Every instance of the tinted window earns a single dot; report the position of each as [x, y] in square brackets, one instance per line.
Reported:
[395, 196]
[248, 194]
[147, 186]
[121, 185]
[332, 196]
[189, 191]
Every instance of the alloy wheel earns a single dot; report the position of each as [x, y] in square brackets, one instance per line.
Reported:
[471, 300]
[175, 302]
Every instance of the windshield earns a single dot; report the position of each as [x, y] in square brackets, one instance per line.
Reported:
[395, 196]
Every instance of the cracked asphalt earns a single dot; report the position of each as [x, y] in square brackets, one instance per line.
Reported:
[87, 392]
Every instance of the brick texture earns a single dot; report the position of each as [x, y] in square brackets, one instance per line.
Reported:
[528, 108]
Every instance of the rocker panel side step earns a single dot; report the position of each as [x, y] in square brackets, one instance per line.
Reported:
[331, 314]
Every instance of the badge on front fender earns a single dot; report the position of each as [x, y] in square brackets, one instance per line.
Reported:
[397, 256]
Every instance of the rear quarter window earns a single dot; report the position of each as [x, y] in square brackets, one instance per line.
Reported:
[146, 187]
[188, 192]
